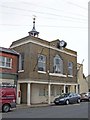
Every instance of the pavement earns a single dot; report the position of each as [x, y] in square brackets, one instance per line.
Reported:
[33, 105]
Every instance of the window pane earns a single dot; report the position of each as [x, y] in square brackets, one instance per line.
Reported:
[41, 63]
[58, 64]
[2, 61]
[70, 68]
[57, 61]
[8, 62]
[22, 61]
[5, 62]
[70, 64]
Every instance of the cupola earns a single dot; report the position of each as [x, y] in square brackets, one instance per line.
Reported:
[33, 32]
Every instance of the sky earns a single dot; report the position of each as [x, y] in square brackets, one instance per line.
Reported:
[55, 19]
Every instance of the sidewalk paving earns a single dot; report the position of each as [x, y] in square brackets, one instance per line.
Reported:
[33, 105]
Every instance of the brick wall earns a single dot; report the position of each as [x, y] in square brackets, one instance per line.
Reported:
[14, 63]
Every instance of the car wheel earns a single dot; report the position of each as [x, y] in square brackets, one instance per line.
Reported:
[81, 100]
[6, 108]
[89, 99]
[78, 100]
[67, 102]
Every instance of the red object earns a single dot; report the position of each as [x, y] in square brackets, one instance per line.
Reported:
[19, 93]
[7, 98]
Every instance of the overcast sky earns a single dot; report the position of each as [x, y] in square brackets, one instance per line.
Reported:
[55, 19]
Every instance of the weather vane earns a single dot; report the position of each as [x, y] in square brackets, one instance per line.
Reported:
[34, 17]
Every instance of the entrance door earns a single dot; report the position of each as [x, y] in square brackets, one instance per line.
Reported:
[66, 89]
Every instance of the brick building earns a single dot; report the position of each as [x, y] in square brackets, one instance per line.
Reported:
[45, 69]
[8, 66]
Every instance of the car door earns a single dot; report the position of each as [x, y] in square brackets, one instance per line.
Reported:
[71, 98]
[75, 97]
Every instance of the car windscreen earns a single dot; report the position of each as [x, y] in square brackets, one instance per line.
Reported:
[64, 95]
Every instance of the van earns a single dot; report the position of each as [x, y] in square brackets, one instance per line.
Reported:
[7, 98]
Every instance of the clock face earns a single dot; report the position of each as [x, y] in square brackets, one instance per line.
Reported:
[62, 43]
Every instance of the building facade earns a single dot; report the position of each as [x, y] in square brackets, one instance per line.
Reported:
[45, 70]
[8, 66]
[88, 79]
[82, 81]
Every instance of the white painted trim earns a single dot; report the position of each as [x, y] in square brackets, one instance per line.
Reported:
[49, 93]
[20, 71]
[38, 43]
[42, 72]
[63, 83]
[57, 74]
[54, 83]
[70, 76]
[5, 67]
[28, 94]
[39, 82]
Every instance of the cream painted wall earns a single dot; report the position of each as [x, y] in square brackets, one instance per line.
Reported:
[35, 98]
[35, 90]
[83, 85]
[72, 88]
[81, 80]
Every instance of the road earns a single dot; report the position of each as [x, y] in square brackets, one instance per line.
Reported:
[56, 111]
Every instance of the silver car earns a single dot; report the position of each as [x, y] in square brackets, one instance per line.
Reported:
[85, 96]
[67, 98]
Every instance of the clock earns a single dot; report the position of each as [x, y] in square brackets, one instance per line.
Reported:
[62, 43]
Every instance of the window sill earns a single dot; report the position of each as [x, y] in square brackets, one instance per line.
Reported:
[5, 67]
[57, 74]
[70, 76]
[20, 71]
[43, 72]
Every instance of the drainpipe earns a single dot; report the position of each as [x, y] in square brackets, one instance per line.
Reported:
[49, 86]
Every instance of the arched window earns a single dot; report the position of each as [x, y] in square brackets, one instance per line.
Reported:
[58, 64]
[41, 63]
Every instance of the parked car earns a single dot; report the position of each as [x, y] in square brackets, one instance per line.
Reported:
[7, 98]
[85, 96]
[67, 98]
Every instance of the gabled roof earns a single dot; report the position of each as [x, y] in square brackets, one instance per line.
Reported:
[8, 50]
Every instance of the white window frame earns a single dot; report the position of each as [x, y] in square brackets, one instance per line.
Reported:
[5, 62]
